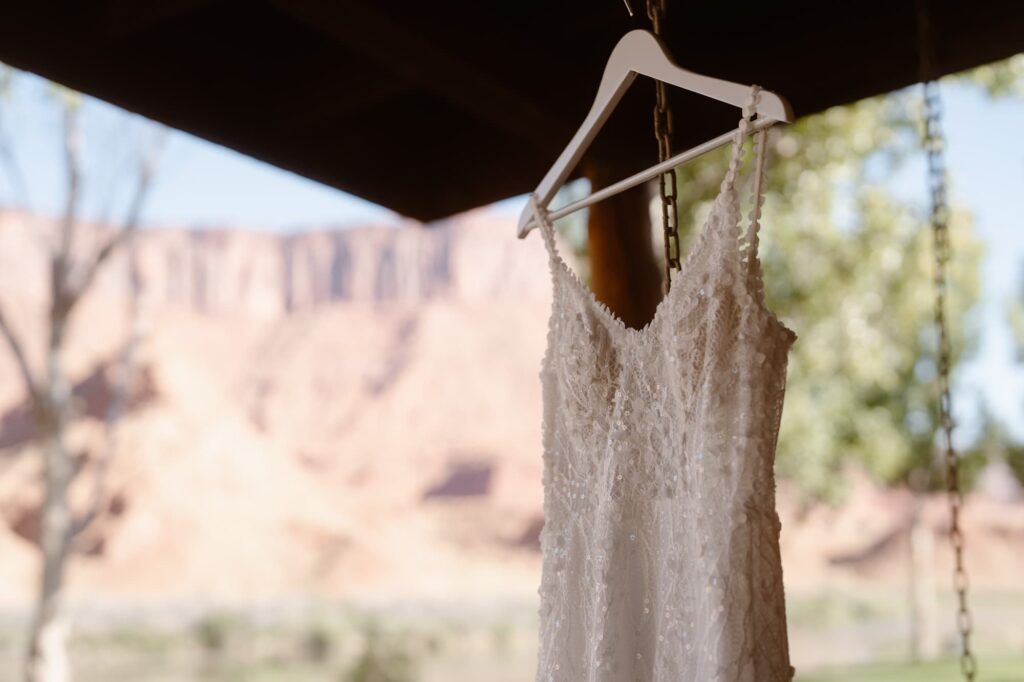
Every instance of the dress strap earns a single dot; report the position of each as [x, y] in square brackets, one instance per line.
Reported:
[547, 230]
[736, 158]
[748, 241]
[752, 238]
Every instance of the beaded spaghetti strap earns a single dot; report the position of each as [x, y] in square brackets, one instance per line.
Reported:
[749, 241]
[540, 216]
[736, 159]
[752, 238]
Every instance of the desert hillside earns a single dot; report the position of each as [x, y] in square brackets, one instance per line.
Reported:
[348, 413]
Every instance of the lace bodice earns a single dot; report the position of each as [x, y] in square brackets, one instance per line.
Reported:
[661, 542]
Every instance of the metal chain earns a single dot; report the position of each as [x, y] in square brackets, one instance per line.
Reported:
[667, 181]
[934, 148]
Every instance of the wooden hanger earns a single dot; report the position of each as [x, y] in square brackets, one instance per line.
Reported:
[641, 52]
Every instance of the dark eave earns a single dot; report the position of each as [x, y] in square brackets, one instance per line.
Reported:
[431, 108]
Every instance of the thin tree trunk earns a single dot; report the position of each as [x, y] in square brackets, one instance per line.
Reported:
[48, 659]
[120, 390]
[47, 656]
[624, 272]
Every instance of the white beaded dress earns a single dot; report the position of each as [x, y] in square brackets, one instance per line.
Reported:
[661, 540]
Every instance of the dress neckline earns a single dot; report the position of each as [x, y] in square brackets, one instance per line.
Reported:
[748, 271]
[681, 282]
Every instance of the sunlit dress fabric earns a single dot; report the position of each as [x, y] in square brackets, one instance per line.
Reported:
[661, 540]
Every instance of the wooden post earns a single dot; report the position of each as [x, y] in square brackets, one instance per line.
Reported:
[624, 272]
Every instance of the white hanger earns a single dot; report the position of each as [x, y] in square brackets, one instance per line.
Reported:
[641, 52]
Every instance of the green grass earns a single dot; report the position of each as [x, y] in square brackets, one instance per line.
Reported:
[329, 645]
[836, 609]
[989, 670]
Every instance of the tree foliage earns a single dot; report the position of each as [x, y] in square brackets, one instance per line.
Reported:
[999, 79]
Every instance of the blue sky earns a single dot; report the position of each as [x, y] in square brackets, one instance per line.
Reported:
[985, 158]
[202, 184]
[197, 184]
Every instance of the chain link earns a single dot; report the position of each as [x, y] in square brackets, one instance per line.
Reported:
[934, 148]
[667, 181]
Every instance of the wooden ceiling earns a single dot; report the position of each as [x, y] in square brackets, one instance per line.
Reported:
[430, 108]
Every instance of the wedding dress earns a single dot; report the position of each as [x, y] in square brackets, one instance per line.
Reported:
[661, 541]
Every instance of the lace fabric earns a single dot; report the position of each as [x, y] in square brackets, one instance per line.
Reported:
[661, 541]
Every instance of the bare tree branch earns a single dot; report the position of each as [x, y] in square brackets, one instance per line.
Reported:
[18, 351]
[109, 247]
[121, 388]
[118, 402]
[72, 151]
[147, 167]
